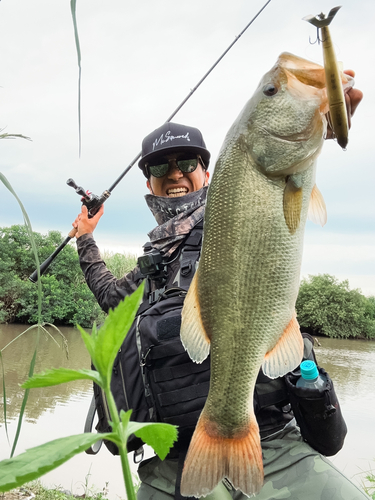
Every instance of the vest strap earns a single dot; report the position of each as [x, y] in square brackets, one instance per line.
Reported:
[173, 372]
[186, 394]
[190, 254]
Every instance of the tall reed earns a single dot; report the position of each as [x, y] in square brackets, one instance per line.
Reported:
[38, 326]
[119, 263]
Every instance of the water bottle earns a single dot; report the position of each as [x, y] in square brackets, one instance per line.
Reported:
[310, 376]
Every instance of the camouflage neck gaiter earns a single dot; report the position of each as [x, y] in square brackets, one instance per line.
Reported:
[176, 217]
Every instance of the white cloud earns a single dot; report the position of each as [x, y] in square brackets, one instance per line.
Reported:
[139, 61]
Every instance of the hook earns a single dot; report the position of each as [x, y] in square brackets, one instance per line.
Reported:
[317, 38]
[321, 21]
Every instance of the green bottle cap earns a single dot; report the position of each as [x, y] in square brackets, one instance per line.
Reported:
[309, 371]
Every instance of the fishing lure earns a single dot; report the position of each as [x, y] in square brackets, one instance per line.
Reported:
[335, 93]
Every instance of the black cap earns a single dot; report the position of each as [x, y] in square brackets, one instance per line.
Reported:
[172, 137]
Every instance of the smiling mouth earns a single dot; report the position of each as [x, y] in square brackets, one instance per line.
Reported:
[175, 192]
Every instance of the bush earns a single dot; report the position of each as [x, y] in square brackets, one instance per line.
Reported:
[66, 297]
[327, 307]
[119, 263]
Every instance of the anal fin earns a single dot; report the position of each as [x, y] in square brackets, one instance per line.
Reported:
[193, 335]
[287, 354]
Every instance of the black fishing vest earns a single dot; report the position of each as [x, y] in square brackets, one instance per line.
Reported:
[154, 376]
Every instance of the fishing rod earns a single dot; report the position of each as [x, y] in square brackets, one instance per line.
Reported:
[94, 202]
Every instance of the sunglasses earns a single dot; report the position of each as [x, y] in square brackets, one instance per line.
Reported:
[187, 166]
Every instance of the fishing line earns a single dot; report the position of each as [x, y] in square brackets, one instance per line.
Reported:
[192, 91]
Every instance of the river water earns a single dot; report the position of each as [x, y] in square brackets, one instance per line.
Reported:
[59, 411]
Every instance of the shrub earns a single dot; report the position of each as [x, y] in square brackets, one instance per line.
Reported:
[66, 297]
[328, 307]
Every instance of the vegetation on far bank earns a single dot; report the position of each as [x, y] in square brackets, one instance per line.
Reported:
[66, 299]
[325, 306]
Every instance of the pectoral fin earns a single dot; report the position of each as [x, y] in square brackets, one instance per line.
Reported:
[292, 204]
[317, 211]
[193, 335]
[287, 354]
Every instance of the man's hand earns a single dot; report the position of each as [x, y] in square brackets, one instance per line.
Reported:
[352, 98]
[85, 225]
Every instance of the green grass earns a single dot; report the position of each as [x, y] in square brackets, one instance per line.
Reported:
[40, 492]
[368, 483]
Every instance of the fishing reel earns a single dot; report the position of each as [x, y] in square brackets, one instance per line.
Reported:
[92, 201]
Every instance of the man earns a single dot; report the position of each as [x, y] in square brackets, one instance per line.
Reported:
[171, 388]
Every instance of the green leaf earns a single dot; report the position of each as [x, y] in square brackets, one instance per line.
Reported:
[60, 376]
[73, 5]
[159, 436]
[13, 136]
[4, 397]
[39, 460]
[125, 417]
[89, 340]
[106, 342]
[24, 401]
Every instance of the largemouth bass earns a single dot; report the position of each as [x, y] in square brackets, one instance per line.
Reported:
[241, 303]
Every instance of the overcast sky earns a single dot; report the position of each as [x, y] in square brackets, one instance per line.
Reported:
[140, 58]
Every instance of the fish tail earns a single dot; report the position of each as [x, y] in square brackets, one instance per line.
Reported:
[211, 458]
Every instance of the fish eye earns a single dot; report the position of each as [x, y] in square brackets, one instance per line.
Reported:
[270, 89]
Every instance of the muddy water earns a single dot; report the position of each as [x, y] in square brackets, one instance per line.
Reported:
[60, 411]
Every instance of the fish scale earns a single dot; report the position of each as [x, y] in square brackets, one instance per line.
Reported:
[248, 281]
[241, 302]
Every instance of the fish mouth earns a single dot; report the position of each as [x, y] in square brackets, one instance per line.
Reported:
[177, 192]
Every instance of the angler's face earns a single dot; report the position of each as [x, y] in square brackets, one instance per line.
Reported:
[175, 182]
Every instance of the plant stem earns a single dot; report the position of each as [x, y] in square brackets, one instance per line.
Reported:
[116, 428]
[130, 493]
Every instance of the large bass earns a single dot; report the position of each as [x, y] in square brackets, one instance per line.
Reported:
[241, 303]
